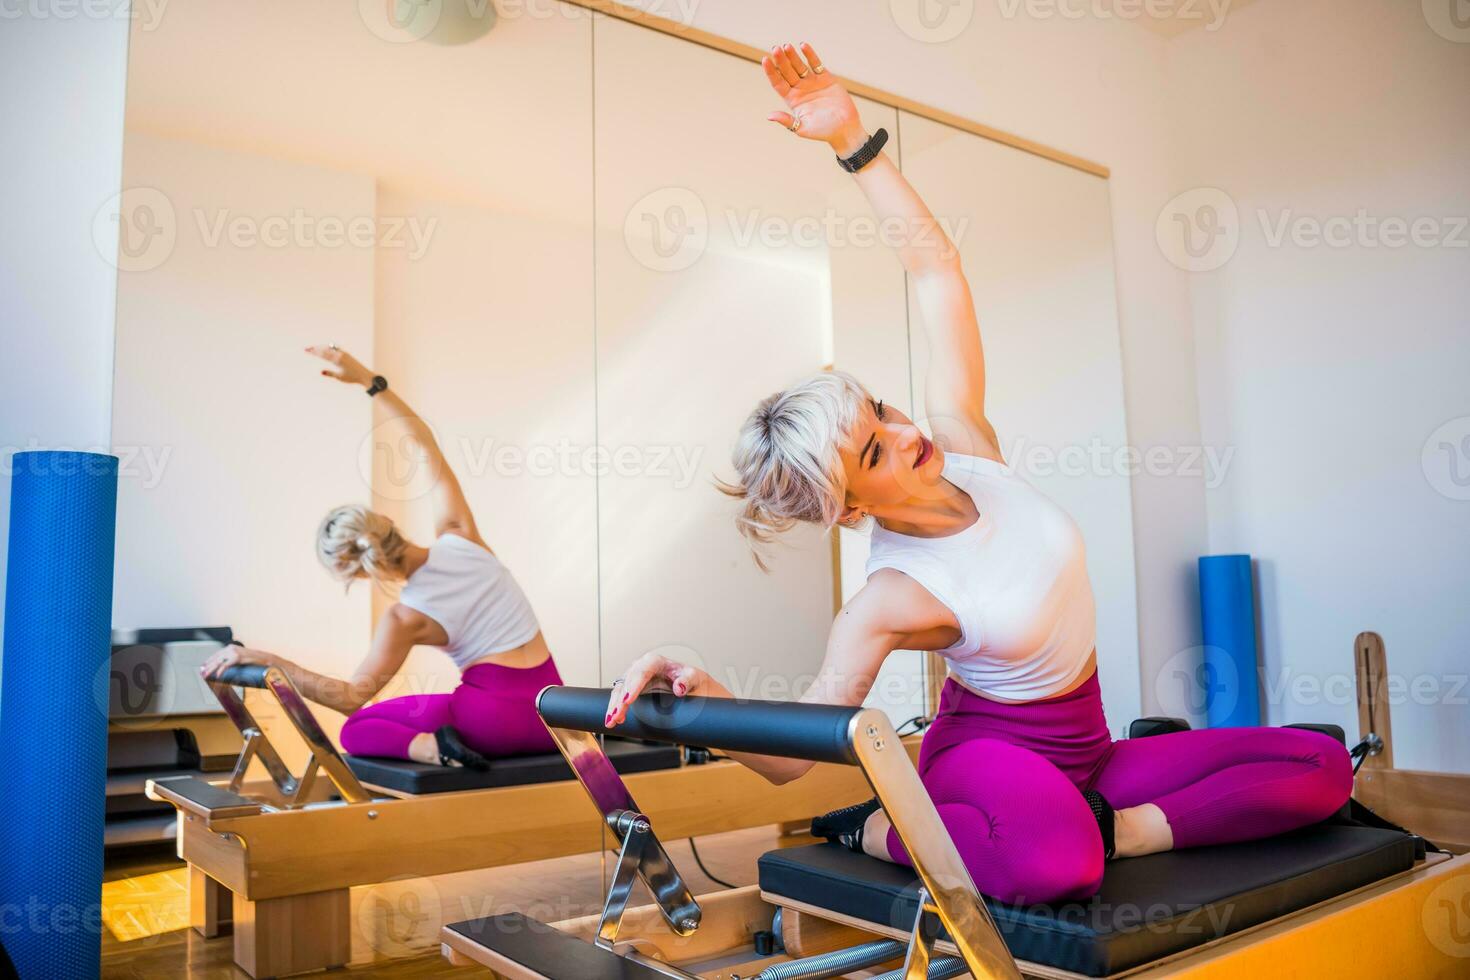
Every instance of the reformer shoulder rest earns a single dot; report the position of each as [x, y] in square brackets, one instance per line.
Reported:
[415, 778]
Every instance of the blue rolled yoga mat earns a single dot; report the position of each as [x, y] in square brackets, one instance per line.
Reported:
[53, 730]
[1228, 620]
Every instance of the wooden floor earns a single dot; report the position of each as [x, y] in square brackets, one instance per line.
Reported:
[396, 925]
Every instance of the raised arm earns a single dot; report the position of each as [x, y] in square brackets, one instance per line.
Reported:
[451, 511]
[820, 108]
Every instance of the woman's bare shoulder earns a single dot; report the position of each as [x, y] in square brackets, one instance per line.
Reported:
[893, 602]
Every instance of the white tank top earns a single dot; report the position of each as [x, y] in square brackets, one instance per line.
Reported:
[1015, 580]
[470, 592]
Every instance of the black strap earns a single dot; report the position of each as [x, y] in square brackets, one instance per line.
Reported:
[1359, 815]
[1102, 812]
[866, 154]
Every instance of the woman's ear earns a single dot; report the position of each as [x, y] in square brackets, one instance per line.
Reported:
[850, 516]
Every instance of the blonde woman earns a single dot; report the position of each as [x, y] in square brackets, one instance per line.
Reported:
[454, 594]
[971, 561]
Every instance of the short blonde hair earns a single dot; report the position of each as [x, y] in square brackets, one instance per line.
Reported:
[787, 457]
[354, 542]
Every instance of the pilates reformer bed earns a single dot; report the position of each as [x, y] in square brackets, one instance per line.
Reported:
[274, 860]
[1338, 898]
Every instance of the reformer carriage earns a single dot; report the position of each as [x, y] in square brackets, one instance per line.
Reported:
[1326, 900]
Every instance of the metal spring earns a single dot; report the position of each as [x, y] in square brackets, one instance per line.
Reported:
[835, 963]
[941, 968]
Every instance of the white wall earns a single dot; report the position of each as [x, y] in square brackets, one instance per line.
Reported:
[1338, 374]
[1283, 106]
[1093, 87]
[61, 86]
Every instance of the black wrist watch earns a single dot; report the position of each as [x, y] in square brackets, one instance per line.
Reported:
[866, 154]
[380, 383]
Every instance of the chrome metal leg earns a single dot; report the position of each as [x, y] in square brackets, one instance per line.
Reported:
[946, 881]
[610, 795]
[324, 755]
[921, 940]
[256, 744]
[635, 839]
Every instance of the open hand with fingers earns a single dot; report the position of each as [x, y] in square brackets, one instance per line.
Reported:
[341, 365]
[651, 672]
[819, 107]
[233, 655]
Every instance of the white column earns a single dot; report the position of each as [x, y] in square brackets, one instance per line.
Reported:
[63, 76]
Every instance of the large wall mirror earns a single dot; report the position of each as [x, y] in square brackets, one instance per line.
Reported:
[716, 279]
[472, 290]
[584, 276]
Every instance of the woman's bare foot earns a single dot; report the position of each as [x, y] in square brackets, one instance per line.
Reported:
[875, 836]
[1141, 830]
[424, 748]
[445, 748]
[1137, 831]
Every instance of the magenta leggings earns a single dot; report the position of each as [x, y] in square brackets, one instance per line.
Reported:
[494, 709]
[1007, 780]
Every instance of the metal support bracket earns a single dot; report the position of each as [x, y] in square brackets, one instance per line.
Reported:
[256, 746]
[639, 852]
[921, 939]
[635, 836]
[294, 791]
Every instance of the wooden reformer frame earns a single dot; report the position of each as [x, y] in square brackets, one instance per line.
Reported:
[274, 861]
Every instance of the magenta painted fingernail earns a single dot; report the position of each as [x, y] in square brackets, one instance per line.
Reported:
[625, 697]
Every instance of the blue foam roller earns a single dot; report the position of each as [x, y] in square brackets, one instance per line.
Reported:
[53, 731]
[1228, 622]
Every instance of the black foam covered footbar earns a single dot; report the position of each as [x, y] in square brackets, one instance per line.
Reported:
[243, 675]
[1147, 908]
[798, 731]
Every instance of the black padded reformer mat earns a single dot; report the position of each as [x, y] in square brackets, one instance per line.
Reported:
[402, 776]
[548, 952]
[1147, 908]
